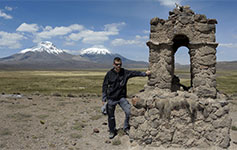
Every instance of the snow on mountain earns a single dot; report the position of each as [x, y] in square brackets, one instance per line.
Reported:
[45, 46]
[95, 51]
[45, 56]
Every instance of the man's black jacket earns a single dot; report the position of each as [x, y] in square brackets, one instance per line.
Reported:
[115, 84]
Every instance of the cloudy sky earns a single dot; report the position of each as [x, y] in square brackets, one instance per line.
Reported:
[121, 26]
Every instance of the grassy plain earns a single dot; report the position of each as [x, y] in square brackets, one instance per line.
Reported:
[88, 82]
[226, 80]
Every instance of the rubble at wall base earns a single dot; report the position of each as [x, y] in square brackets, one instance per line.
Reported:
[179, 119]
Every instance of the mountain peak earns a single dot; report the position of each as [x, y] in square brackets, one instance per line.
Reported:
[45, 46]
[95, 51]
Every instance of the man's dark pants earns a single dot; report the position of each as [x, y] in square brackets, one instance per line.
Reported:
[124, 104]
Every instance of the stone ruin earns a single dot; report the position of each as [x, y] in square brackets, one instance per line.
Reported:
[164, 114]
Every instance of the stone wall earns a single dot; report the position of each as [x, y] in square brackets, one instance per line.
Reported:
[164, 115]
[179, 119]
[197, 33]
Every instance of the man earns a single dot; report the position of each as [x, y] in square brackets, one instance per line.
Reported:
[114, 91]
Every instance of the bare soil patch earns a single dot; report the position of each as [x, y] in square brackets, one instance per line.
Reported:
[57, 123]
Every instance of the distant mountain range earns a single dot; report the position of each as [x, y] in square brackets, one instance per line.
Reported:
[222, 65]
[227, 65]
[46, 56]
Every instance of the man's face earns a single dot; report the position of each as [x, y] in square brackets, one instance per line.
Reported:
[117, 65]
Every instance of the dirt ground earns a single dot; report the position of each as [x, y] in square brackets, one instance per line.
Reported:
[37, 122]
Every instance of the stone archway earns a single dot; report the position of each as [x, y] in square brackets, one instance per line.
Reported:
[198, 117]
[184, 28]
[178, 41]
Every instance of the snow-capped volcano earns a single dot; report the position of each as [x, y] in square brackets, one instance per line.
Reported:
[45, 56]
[45, 46]
[95, 51]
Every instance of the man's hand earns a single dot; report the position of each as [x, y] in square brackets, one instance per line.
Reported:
[148, 72]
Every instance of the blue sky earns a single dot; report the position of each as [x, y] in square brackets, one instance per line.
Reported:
[121, 26]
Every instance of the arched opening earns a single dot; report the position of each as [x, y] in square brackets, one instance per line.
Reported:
[181, 64]
[180, 40]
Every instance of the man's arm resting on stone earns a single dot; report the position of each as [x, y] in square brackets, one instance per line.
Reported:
[139, 73]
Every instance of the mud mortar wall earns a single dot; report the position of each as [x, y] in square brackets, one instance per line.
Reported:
[197, 33]
[163, 115]
[179, 119]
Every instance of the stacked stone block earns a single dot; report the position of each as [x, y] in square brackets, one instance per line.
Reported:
[180, 119]
[162, 115]
[199, 38]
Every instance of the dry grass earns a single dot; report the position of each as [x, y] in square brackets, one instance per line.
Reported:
[19, 116]
[48, 82]
[234, 128]
[17, 106]
[226, 80]
[5, 132]
[96, 117]
[75, 136]
[116, 142]
[43, 116]
[78, 126]
[89, 82]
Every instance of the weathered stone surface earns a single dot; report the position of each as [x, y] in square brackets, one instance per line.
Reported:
[138, 103]
[154, 21]
[220, 112]
[212, 21]
[153, 111]
[185, 20]
[137, 112]
[207, 37]
[200, 18]
[222, 122]
[207, 60]
[205, 28]
[165, 136]
[202, 143]
[182, 119]
[204, 91]
[183, 28]
[140, 119]
[155, 123]
[198, 117]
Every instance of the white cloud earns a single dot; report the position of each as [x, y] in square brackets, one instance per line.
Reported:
[10, 40]
[228, 45]
[50, 32]
[139, 40]
[70, 34]
[69, 43]
[48, 28]
[74, 52]
[138, 37]
[4, 15]
[8, 8]
[89, 36]
[47, 34]
[24, 27]
[96, 37]
[99, 46]
[113, 29]
[76, 27]
[146, 31]
[170, 3]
